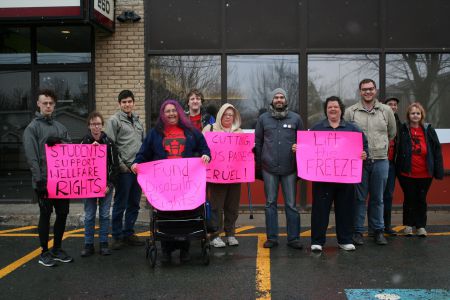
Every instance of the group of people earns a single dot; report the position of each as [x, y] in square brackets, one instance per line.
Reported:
[409, 151]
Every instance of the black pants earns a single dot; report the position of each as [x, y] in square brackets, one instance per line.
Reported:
[415, 192]
[343, 195]
[46, 208]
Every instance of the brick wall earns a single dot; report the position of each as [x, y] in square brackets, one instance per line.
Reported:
[119, 62]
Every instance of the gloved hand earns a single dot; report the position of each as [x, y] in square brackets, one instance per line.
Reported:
[53, 140]
[41, 189]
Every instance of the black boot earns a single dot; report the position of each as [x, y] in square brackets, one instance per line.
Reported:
[88, 250]
[104, 249]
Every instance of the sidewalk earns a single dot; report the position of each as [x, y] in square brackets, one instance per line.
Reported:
[28, 214]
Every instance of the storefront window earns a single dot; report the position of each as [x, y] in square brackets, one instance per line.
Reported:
[171, 77]
[424, 78]
[71, 88]
[15, 45]
[15, 114]
[337, 75]
[252, 77]
[63, 44]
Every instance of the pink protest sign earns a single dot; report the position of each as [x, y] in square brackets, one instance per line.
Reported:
[173, 184]
[329, 156]
[232, 158]
[76, 171]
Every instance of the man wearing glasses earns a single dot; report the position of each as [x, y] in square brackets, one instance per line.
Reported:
[44, 129]
[275, 139]
[378, 123]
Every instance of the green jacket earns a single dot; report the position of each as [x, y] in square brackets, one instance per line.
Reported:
[378, 125]
[127, 134]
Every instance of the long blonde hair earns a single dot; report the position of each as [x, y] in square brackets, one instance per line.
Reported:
[420, 108]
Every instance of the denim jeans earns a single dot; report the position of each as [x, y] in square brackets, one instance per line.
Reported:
[289, 188]
[126, 201]
[374, 177]
[90, 210]
[388, 195]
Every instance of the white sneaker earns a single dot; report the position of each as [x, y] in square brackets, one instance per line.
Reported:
[421, 232]
[217, 243]
[347, 247]
[315, 248]
[408, 231]
[232, 241]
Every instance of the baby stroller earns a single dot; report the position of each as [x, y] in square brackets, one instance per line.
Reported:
[185, 225]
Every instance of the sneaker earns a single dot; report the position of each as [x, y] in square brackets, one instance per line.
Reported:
[380, 239]
[390, 232]
[232, 241]
[104, 249]
[408, 231]
[421, 232]
[46, 259]
[60, 255]
[295, 244]
[358, 238]
[117, 244]
[270, 244]
[217, 243]
[88, 250]
[316, 248]
[184, 256]
[347, 247]
[133, 240]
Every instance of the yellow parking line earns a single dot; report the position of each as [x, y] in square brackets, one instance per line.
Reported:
[18, 229]
[244, 228]
[19, 234]
[263, 285]
[21, 261]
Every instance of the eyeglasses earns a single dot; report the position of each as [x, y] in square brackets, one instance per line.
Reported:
[171, 111]
[228, 115]
[96, 124]
[371, 89]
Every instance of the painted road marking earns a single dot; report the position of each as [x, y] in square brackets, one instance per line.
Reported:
[18, 229]
[263, 284]
[397, 294]
[21, 261]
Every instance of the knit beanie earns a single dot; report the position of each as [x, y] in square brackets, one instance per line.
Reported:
[278, 91]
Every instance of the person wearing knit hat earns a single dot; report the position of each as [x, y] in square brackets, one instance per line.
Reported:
[275, 140]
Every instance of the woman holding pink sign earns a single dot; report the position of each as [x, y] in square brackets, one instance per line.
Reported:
[225, 197]
[174, 136]
[325, 193]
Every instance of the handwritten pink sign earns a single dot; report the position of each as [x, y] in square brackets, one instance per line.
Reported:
[232, 158]
[76, 171]
[329, 156]
[173, 184]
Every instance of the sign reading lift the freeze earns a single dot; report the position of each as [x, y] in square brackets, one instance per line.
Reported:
[76, 171]
[329, 156]
[232, 158]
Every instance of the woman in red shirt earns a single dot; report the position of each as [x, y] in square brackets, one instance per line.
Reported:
[419, 159]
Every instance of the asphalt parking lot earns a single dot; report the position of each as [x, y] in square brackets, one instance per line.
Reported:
[407, 268]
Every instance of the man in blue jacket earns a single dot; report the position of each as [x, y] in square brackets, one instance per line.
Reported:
[275, 137]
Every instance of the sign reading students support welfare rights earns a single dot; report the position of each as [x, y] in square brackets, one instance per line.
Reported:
[329, 156]
[173, 184]
[76, 171]
[232, 158]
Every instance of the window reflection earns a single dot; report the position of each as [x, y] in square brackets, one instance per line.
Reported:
[337, 75]
[15, 114]
[15, 46]
[424, 78]
[71, 88]
[252, 77]
[171, 77]
[63, 44]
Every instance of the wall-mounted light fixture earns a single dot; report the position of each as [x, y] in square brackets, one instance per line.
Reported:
[128, 16]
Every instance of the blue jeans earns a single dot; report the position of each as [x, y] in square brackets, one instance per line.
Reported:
[126, 200]
[90, 210]
[389, 195]
[289, 188]
[374, 177]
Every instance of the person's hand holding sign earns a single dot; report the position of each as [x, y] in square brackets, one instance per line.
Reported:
[294, 148]
[205, 159]
[134, 168]
[364, 155]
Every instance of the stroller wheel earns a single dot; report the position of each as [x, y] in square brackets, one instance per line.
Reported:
[205, 255]
[150, 254]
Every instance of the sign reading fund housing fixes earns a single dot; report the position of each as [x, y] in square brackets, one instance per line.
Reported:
[232, 159]
[329, 156]
[76, 170]
[173, 184]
